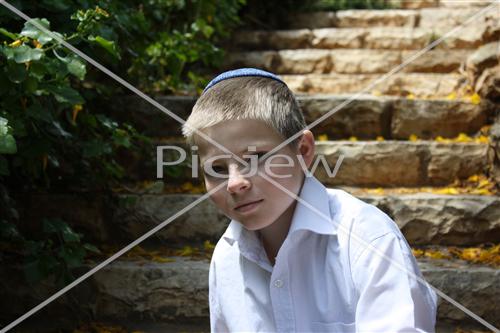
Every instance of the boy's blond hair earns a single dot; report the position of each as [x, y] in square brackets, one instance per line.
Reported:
[247, 97]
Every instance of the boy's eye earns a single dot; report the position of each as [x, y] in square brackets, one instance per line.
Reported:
[219, 169]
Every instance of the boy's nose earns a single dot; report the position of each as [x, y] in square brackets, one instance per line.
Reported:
[237, 182]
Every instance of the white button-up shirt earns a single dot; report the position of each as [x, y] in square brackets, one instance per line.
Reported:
[326, 276]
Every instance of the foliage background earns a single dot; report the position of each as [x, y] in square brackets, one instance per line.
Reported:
[56, 129]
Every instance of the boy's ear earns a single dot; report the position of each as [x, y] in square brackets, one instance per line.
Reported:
[306, 147]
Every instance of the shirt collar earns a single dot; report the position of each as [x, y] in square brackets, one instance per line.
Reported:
[315, 195]
[313, 210]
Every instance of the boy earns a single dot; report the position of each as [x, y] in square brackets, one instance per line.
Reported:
[296, 257]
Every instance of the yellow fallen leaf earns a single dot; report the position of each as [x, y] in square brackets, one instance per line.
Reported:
[353, 138]
[483, 183]
[208, 246]
[462, 137]
[482, 139]
[442, 140]
[481, 191]
[186, 251]
[410, 96]
[434, 254]
[322, 137]
[471, 253]
[413, 138]
[417, 252]
[473, 178]
[475, 99]
[451, 96]
[376, 93]
[380, 138]
[447, 190]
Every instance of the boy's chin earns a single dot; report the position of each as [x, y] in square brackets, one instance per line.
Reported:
[250, 225]
[254, 226]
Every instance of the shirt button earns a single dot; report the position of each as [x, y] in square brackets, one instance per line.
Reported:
[278, 283]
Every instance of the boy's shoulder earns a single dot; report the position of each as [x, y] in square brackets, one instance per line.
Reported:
[359, 217]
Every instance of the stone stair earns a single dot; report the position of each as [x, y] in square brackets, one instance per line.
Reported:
[139, 291]
[327, 59]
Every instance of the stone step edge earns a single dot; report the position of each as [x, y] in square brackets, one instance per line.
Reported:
[375, 38]
[346, 61]
[393, 17]
[424, 218]
[366, 115]
[135, 289]
[423, 85]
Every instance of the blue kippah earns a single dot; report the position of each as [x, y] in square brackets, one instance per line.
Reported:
[241, 72]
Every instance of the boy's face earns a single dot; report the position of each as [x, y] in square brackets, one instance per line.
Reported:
[247, 197]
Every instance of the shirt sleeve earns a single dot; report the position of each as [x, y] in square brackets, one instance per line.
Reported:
[391, 299]
[217, 321]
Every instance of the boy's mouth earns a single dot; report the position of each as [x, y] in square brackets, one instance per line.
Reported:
[248, 205]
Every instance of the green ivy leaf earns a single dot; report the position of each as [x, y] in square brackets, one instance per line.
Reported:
[7, 141]
[8, 144]
[72, 256]
[16, 72]
[69, 235]
[203, 27]
[65, 94]
[22, 53]
[91, 248]
[32, 31]
[108, 45]
[77, 68]
[38, 70]
[4, 126]
[121, 138]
